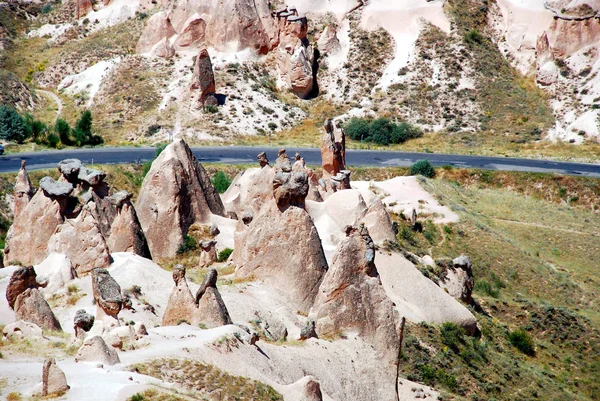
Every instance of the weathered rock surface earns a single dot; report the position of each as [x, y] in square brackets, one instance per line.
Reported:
[175, 194]
[204, 79]
[95, 349]
[159, 27]
[208, 253]
[53, 188]
[23, 329]
[212, 311]
[21, 279]
[54, 380]
[83, 321]
[328, 41]
[82, 241]
[163, 49]
[458, 279]
[107, 292]
[192, 32]
[252, 189]
[181, 306]
[290, 189]
[351, 297]
[126, 231]
[23, 191]
[56, 270]
[31, 306]
[333, 149]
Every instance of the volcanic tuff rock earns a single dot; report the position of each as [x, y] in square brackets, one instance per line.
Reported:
[204, 80]
[181, 306]
[208, 254]
[212, 311]
[175, 194]
[192, 32]
[31, 306]
[23, 191]
[107, 292]
[21, 279]
[158, 28]
[22, 329]
[351, 297]
[54, 380]
[458, 279]
[56, 270]
[94, 349]
[83, 321]
[126, 233]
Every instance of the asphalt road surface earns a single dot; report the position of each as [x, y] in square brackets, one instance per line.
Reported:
[237, 155]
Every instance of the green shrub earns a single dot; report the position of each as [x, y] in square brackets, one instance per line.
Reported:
[358, 129]
[224, 254]
[381, 131]
[189, 244]
[523, 341]
[137, 397]
[52, 140]
[12, 125]
[452, 336]
[83, 129]
[63, 129]
[424, 168]
[485, 287]
[221, 182]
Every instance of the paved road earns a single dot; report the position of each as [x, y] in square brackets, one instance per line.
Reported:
[236, 155]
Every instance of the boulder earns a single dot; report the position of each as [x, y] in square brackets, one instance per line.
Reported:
[308, 331]
[23, 191]
[54, 381]
[157, 28]
[83, 7]
[53, 188]
[458, 280]
[290, 189]
[203, 79]
[181, 306]
[352, 299]
[192, 32]
[70, 168]
[23, 329]
[21, 279]
[81, 240]
[94, 349]
[31, 306]
[126, 233]
[83, 321]
[163, 49]
[308, 389]
[211, 311]
[333, 149]
[56, 270]
[284, 249]
[175, 194]
[270, 327]
[208, 253]
[107, 292]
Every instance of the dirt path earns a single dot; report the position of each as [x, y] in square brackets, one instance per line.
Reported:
[56, 100]
[524, 223]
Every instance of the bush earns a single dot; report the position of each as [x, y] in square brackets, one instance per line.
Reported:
[52, 140]
[12, 125]
[424, 168]
[523, 341]
[452, 336]
[83, 129]
[137, 397]
[224, 254]
[221, 182]
[381, 131]
[189, 244]
[63, 129]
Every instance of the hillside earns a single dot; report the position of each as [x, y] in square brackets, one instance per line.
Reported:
[494, 77]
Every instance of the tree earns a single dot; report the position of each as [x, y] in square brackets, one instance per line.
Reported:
[221, 182]
[63, 129]
[83, 129]
[12, 125]
[358, 129]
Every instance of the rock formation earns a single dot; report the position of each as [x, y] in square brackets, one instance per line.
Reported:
[204, 80]
[107, 292]
[295, 55]
[126, 231]
[83, 321]
[328, 42]
[175, 194]
[333, 149]
[262, 159]
[31, 306]
[83, 7]
[54, 381]
[94, 349]
[351, 297]
[56, 271]
[157, 29]
[207, 308]
[458, 279]
[23, 191]
[22, 329]
[21, 279]
[192, 32]
[208, 253]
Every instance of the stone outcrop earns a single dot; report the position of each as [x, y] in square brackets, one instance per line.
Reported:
[82, 7]
[290, 189]
[159, 27]
[54, 381]
[206, 309]
[95, 349]
[333, 149]
[82, 321]
[21, 279]
[31, 306]
[192, 32]
[204, 80]
[175, 194]
[328, 42]
[126, 231]
[163, 49]
[107, 292]
[351, 297]
[208, 253]
[82, 241]
[22, 329]
[23, 191]
[458, 280]
[56, 270]
[295, 55]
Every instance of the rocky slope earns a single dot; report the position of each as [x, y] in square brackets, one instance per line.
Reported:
[524, 70]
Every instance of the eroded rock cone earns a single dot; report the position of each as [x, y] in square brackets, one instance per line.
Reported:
[95, 349]
[204, 80]
[212, 311]
[54, 380]
[175, 194]
[107, 292]
[31, 306]
[352, 298]
[21, 279]
[208, 254]
[126, 231]
[23, 191]
[333, 149]
[181, 306]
